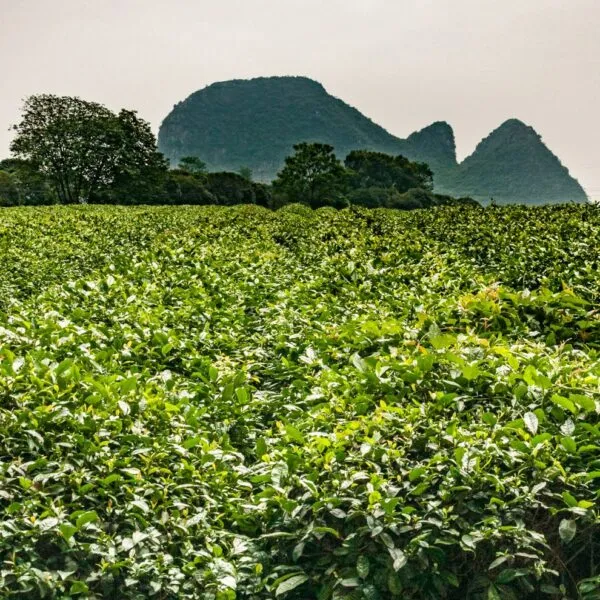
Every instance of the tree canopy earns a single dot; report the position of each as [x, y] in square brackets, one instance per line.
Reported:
[69, 150]
[192, 164]
[312, 175]
[375, 169]
[83, 147]
[23, 184]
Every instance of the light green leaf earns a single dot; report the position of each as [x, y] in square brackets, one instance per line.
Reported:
[290, 584]
[567, 530]
[531, 422]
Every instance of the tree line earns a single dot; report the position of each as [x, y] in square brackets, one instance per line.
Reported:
[69, 151]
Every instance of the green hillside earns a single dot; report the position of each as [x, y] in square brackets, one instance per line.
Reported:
[255, 123]
[433, 145]
[512, 164]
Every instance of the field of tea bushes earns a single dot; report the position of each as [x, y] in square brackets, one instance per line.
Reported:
[218, 403]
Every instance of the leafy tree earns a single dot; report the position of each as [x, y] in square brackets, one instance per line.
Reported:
[231, 188]
[142, 174]
[183, 187]
[30, 186]
[83, 147]
[192, 164]
[263, 194]
[312, 175]
[246, 173]
[374, 197]
[9, 196]
[375, 169]
[414, 198]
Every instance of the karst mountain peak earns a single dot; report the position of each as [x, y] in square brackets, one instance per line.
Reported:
[255, 123]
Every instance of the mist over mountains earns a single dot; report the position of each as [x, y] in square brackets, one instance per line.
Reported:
[255, 123]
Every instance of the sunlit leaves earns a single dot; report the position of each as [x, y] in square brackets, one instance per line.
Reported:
[214, 403]
[531, 422]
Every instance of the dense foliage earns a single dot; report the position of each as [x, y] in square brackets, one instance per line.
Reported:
[256, 123]
[213, 402]
[84, 149]
[22, 184]
[77, 152]
[313, 175]
[376, 169]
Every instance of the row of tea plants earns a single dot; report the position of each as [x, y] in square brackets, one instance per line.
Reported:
[218, 403]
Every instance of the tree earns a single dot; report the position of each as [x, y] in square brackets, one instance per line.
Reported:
[9, 195]
[231, 188]
[30, 186]
[246, 173]
[183, 187]
[373, 197]
[312, 175]
[192, 164]
[376, 169]
[83, 147]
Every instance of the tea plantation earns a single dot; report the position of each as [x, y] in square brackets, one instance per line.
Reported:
[230, 403]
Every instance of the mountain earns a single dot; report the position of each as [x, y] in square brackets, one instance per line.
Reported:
[255, 123]
[513, 164]
[433, 145]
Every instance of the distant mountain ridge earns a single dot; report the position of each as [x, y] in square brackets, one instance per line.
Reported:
[255, 123]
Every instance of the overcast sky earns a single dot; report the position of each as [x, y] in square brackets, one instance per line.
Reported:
[403, 63]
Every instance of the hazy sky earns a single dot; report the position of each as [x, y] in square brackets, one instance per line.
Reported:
[404, 63]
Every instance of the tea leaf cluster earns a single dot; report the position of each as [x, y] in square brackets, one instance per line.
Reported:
[229, 402]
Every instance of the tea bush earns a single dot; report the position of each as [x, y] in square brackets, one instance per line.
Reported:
[228, 402]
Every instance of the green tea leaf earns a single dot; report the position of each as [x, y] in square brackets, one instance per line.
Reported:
[567, 530]
[290, 584]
